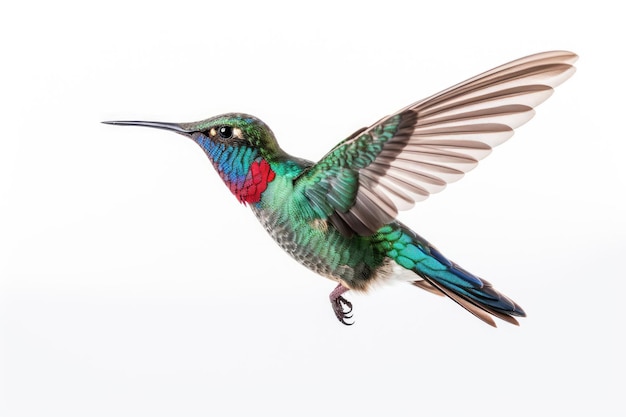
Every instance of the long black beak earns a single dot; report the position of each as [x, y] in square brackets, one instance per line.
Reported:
[172, 127]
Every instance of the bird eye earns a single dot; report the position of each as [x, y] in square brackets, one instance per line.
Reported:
[225, 132]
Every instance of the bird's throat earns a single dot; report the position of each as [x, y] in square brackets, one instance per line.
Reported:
[244, 171]
[259, 176]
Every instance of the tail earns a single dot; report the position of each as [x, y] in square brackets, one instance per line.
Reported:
[444, 277]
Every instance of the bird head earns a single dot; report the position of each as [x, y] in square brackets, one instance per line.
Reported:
[241, 147]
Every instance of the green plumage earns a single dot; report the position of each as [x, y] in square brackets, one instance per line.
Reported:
[313, 241]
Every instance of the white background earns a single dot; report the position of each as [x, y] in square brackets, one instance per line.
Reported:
[132, 283]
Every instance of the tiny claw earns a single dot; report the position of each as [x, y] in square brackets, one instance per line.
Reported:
[345, 303]
[341, 307]
[342, 319]
[341, 314]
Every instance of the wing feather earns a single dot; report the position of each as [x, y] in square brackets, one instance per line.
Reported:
[403, 158]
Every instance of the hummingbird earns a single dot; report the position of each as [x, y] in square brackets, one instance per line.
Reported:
[337, 217]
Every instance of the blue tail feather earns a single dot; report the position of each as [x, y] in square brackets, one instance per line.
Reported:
[471, 292]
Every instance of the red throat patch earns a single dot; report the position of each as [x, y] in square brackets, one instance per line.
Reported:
[259, 175]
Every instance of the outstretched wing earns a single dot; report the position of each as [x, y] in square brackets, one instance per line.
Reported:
[360, 185]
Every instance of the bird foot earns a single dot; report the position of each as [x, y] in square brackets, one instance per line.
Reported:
[341, 306]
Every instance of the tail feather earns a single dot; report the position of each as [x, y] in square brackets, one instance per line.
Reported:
[481, 311]
[439, 275]
[427, 286]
